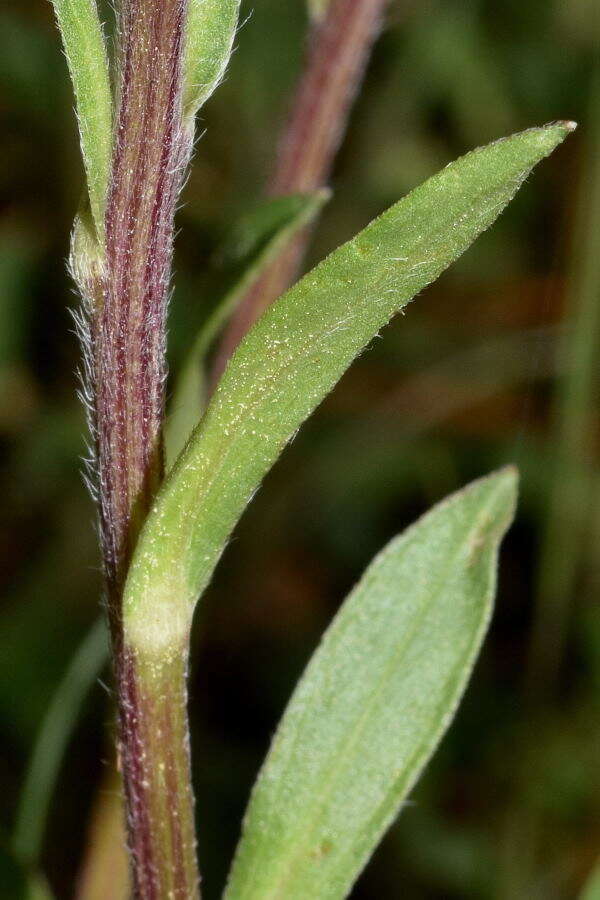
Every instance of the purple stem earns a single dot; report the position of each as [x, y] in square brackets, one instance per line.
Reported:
[151, 152]
[128, 328]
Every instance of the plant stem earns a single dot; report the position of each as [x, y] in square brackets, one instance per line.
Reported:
[338, 52]
[160, 801]
[152, 149]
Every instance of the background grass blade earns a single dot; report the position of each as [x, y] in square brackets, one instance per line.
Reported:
[591, 889]
[210, 33]
[374, 701]
[86, 56]
[53, 736]
[292, 358]
[569, 504]
[252, 246]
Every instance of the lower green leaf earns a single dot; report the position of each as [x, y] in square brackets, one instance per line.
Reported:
[374, 701]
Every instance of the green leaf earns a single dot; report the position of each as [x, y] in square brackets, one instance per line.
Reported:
[252, 246]
[376, 698]
[54, 733]
[210, 32]
[86, 56]
[290, 360]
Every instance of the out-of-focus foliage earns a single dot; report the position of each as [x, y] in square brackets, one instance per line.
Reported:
[464, 382]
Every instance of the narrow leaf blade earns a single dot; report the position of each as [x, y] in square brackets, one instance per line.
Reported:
[374, 701]
[254, 244]
[211, 29]
[53, 736]
[85, 50]
[290, 360]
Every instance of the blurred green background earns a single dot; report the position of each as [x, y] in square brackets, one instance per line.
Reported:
[497, 362]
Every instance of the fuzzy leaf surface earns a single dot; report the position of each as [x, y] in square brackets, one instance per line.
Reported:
[252, 246]
[85, 50]
[292, 358]
[376, 698]
[211, 28]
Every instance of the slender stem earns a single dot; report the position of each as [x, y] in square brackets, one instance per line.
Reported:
[160, 801]
[339, 49]
[152, 148]
[151, 151]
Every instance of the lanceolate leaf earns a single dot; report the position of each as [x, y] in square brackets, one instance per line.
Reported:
[255, 243]
[292, 358]
[374, 701]
[86, 56]
[210, 33]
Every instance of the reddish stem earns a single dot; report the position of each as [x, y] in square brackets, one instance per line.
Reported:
[338, 52]
[128, 331]
[151, 151]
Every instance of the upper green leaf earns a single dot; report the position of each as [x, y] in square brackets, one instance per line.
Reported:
[375, 700]
[290, 360]
[86, 56]
[210, 32]
[252, 246]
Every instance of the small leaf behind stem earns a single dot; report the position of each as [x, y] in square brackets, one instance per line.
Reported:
[85, 50]
[254, 244]
[291, 359]
[375, 700]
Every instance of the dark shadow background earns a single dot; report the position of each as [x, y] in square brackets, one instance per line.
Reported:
[468, 379]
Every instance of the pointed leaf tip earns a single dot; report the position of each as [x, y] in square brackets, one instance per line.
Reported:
[374, 701]
[295, 354]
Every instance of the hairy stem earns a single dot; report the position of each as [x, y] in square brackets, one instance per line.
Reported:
[159, 794]
[338, 52]
[151, 151]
